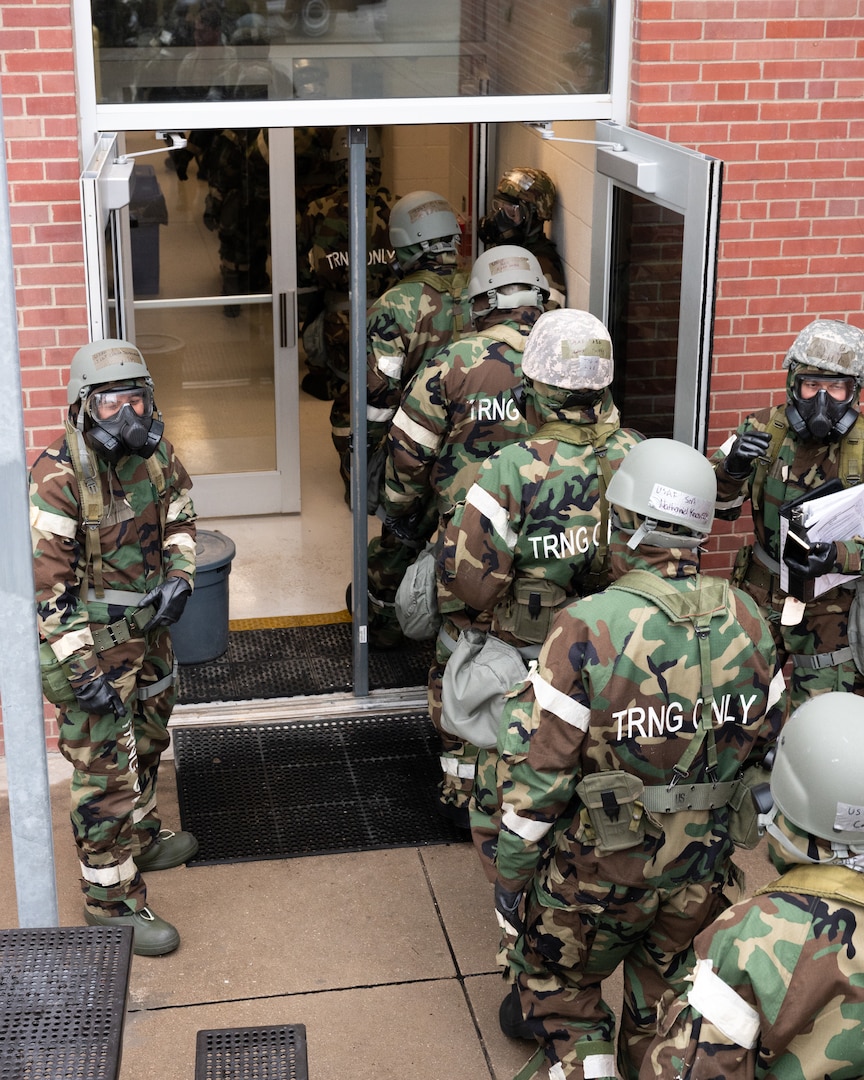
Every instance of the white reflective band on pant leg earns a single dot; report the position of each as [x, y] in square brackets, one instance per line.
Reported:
[453, 767]
[140, 812]
[598, 1065]
[527, 828]
[110, 875]
[722, 1006]
[556, 1072]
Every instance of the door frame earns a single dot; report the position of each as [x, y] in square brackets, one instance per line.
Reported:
[690, 183]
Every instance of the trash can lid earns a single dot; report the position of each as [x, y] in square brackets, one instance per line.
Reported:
[213, 549]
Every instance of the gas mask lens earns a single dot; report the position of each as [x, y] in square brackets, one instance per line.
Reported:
[840, 389]
[104, 405]
[511, 211]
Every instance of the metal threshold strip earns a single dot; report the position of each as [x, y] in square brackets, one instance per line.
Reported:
[284, 710]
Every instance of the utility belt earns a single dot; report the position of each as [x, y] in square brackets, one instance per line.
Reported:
[614, 804]
[131, 625]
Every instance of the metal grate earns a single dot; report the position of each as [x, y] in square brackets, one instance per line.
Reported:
[63, 1002]
[314, 787]
[258, 1053]
[297, 660]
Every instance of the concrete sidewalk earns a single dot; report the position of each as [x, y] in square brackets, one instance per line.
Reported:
[386, 957]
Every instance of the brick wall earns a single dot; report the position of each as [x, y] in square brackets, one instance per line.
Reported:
[42, 162]
[774, 89]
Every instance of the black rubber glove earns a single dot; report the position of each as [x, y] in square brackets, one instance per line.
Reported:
[405, 527]
[820, 559]
[169, 599]
[507, 904]
[99, 696]
[748, 446]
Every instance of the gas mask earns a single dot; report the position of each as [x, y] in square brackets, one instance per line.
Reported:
[509, 221]
[121, 422]
[822, 405]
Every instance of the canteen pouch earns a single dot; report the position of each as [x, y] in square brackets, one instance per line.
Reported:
[55, 681]
[533, 605]
[743, 829]
[612, 803]
[417, 598]
[856, 626]
[477, 677]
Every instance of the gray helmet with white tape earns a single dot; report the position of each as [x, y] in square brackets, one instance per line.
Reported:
[666, 481]
[509, 277]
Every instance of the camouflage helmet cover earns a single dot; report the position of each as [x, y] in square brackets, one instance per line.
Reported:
[829, 345]
[107, 361]
[569, 348]
[816, 780]
[666, 481]
[532, 186]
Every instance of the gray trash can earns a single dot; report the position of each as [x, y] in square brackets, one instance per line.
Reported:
[201, 632]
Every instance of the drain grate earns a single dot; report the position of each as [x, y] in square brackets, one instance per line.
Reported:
[255, 1053]
[298, 660]
[312, 787]
[63, 1002]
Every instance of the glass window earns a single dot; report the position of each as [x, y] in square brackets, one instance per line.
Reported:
[216, 50]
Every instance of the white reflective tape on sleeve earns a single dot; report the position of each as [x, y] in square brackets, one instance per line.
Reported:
[727, 446]
[421, 435]
[723, 1007]
[379, 416]
[483, 502]
[597, 1065]
[557, 297]
[454, 767]
[52, 524]
[391, 366]
[109, 875]
[527, 828]
[565, 708]
[182, 540]
[729, 504]
[776, 689]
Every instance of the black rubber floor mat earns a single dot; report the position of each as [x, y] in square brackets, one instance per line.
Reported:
[313, 787]
[262, 1053]
[298, 660]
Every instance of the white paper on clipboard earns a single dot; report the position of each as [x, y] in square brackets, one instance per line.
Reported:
[827, 518]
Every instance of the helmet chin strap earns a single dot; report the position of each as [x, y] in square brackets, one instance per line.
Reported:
[648, 533]
[841, 854]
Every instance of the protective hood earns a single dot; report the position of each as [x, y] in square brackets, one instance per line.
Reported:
[551, 403]
[669, 562]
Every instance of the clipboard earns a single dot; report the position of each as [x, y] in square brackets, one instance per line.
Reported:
[800, 521]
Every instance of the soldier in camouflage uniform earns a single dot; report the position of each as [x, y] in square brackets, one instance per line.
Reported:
[521, 206]
[619, 756]
[778, 984]
[105, 597]
[237, 209]
[778, 454]
[532, 533]
[458, 409]
[406, 326]
[323, 235]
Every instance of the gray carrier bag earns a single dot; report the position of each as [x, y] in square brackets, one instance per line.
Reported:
[480, 671]
[417, 598]
[856, 626]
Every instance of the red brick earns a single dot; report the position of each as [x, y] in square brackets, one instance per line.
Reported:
[741, 30]
[703, 50]
[795, 28]
[764, 50]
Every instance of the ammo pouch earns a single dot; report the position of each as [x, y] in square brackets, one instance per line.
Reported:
[743, 829]
[530, 609]
[855, 626]
[741, 565]
[479, 673]
[612, 803]
[417, 598]
[55, 681]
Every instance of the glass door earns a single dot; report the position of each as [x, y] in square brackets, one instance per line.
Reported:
[653, 274]
[208, 264]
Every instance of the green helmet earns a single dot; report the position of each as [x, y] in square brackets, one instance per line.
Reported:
[424, 218]
[829, 345]
[107, 361]
[570, 349]
[531, 186]
[339, 146]
[816, 781]
[663, 480]
[496, 272]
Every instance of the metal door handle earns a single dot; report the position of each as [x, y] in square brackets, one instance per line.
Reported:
[287, 320]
